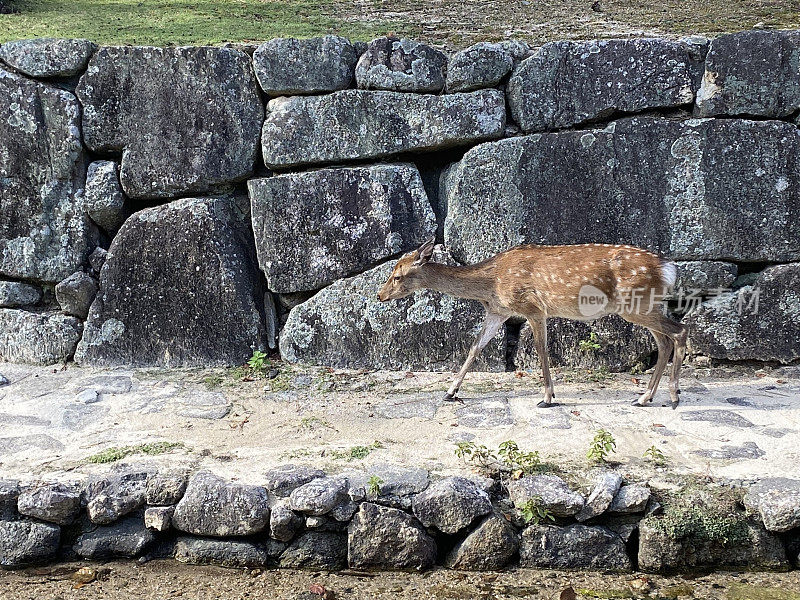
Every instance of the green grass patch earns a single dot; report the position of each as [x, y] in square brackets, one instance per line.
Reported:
[119, 452]
[356, 452]
[176, 22]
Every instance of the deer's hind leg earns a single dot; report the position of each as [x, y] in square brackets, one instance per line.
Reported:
[669, 334]
[491, 326]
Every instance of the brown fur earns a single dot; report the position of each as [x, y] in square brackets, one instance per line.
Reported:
[538, 282]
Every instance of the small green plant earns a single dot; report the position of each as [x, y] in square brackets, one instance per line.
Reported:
[374, 486]
[602, 445]
[472, 452]
[356, 452]
[655, 456]
[212, 381]
[258, 362]
[590, 344]
[716, 524]
[534, 511]
[118, 453]
[314, 422]
[519, 462]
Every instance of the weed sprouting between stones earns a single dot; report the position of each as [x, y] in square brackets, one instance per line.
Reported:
[374, 486]
[534, 512]
[508, 460]
[602, 445]
[118, 453]
[590, 344]
[655, 456]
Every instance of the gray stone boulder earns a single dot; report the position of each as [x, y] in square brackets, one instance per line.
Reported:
[344, 325]
[568, 83]
[45, 233]
[42, 338]
[777, 501]
[630, 499]
[385, 538]
[731, 326]
[158, 518]
[359, 125]
[692, 190]
[55, 503]
[319, 497]
[96, 261]
[164, 489]
[109, 498]
[24, 543]
[14, 294]
[480, 66]
[451, 504]
[547, 491]
[489, 548]
[573, 547]
[213, 507]
[9, 495]
[76, 293]
[284, 523]
[288, 66]
[316, 227]
[282, 480]
[316, 550]
[186, 119]
[401, 65]
[661, 553]
[605, 486]
[751, 73]
[105, 202]
[206, 310]
[47, 57]
[704, 276]
[237, 554]
[124, 539]
[399, 484]
[622, 345]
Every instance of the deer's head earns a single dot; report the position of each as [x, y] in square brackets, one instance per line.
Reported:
[405, 279]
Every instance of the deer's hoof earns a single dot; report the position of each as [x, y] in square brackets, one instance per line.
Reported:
[638, 403]
[544, 404]
[448, 397]
[675, 404]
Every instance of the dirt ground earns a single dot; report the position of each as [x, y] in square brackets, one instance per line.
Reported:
[161, 580]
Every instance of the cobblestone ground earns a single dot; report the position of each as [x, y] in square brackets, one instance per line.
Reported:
[732, 422]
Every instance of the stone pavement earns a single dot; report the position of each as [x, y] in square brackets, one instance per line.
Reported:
[736, 423]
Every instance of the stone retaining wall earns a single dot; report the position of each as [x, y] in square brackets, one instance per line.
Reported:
[397, 518]
[187, 206]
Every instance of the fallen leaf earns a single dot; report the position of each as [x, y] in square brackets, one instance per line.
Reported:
[636, 380]
[761, 374]
[568, 594]
[577, 413]
[321, 591]
[519, 374]
[780, 381]
[657, 425]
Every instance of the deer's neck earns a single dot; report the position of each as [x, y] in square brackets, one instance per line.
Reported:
[464, 282]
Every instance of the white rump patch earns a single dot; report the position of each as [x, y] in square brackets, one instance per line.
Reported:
[669, 273]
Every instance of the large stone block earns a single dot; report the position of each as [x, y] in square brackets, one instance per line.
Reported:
[344, 325]
[752, 73]
[48, 57]
[568, 83]
[479, 66]
[186, 120]
[27, 542]
[287, 66]
[44, 233]
[359, 125]
[41, 338]
[756, 322]
[694, 190]
[611, 343]
[401, 65]
[14, 294]
[573, 547]
[313, 228]
[180, 287]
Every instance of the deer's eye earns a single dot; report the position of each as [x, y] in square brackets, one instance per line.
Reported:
[397, 278]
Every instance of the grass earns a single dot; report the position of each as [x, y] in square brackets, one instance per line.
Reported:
[176, 22]
[119, 452]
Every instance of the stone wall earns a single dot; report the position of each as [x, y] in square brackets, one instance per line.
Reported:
[187, 206]
[399, 518]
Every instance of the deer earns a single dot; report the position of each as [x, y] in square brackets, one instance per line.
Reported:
[536, 282]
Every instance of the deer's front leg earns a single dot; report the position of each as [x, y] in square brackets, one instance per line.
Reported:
[539, 330]
[491, 326]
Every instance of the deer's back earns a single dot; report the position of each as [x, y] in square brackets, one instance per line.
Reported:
[553, 279]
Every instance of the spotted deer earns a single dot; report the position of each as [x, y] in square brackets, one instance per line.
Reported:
[581, 282]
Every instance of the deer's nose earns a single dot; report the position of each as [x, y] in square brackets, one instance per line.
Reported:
[379, 298]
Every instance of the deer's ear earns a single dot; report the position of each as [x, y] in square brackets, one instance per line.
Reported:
[425, 252]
